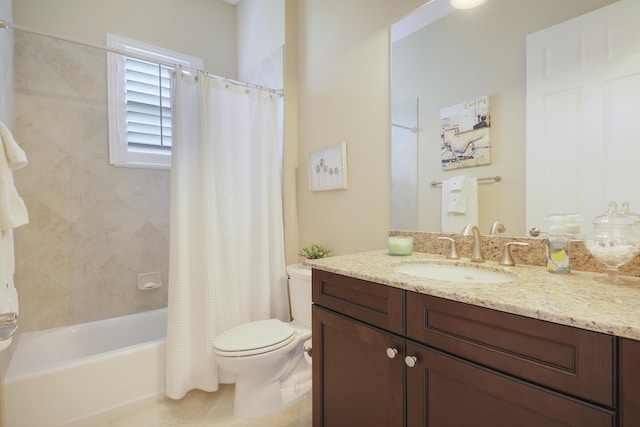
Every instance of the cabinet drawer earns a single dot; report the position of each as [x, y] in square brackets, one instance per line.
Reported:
[567, 359]
[376, 304]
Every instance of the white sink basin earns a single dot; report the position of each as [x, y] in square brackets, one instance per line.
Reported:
[454, 273]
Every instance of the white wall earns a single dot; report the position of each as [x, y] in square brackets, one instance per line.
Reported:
[201, 28]
[343, 95]
[260, 32]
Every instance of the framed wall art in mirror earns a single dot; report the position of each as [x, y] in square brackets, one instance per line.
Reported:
[465, 134]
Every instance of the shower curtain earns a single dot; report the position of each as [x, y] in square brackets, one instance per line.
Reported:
[227, 263]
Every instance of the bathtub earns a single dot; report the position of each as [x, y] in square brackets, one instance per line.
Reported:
[61, 375]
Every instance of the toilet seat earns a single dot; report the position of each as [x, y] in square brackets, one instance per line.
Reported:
[253, 338]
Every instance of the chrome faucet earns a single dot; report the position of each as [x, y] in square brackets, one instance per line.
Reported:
[507, 259]
[476, 255]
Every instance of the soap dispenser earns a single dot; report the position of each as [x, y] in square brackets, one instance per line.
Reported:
[558, 247]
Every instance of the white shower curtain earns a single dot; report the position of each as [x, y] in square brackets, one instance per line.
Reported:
[227, 263]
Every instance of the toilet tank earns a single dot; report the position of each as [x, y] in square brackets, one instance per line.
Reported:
[300, 293]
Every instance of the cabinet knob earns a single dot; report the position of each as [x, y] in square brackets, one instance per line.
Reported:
[392, 353]
[410, 361]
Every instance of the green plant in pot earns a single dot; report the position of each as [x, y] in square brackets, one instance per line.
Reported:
[314, 251]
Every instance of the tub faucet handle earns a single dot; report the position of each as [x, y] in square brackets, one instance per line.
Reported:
[453, 251]
[496, 228]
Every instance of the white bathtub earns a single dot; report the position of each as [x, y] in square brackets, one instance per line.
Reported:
[65, 374]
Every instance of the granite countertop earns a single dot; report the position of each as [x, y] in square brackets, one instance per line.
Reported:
[575, 299]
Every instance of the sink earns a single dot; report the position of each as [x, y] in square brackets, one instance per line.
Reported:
[455, 273]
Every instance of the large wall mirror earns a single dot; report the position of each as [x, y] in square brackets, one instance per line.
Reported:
[462, 55]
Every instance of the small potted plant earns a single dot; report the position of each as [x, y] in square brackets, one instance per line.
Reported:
[314, 251]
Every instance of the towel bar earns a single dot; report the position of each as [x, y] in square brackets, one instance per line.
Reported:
[496, 178]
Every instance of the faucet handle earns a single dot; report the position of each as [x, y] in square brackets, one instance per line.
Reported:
[453, 252]
[497, 227]
[507, 260]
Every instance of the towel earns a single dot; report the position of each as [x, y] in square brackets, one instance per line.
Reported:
[13, 212]
[8, 304]
[457, 183]
[457, 195]
[459, 203]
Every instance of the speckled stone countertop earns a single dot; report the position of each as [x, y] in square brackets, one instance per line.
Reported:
[575, 299]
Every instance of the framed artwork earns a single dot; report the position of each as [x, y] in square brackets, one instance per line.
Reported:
[328, 169]
[465, 134]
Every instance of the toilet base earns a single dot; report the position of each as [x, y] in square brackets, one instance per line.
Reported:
[256, 399]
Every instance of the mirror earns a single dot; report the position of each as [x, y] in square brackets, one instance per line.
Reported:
[463, 55]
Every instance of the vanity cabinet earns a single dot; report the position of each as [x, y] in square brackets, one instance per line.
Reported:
[384, 356]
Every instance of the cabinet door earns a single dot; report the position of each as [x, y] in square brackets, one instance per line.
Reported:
[444, 391]
[355, 382]
[629, 383]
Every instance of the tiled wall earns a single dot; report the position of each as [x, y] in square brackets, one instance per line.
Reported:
[93, 227]
[493, 246]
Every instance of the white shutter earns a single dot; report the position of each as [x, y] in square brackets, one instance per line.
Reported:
[148, 100]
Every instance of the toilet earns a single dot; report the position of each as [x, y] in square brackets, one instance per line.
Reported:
[270, 358]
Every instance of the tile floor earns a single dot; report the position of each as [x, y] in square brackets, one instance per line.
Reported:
[199, 409]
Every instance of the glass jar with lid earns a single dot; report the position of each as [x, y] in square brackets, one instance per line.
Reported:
[613, 241]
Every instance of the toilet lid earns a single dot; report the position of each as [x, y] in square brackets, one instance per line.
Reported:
[254, 337]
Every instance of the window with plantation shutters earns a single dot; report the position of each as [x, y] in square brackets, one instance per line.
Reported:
[140, 102]
[148, 104]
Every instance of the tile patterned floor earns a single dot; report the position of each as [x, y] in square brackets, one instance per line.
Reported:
[199, 409]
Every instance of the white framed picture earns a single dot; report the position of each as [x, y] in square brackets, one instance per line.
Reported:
[328, 169]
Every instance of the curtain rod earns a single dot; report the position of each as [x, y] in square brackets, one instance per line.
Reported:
[4, 24]
[411, 129]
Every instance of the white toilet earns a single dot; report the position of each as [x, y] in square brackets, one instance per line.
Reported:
[269, 357]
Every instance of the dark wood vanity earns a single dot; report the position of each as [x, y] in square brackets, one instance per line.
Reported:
[385, 356]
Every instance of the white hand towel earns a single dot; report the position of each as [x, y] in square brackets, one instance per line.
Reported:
[457, 183]
[453, 221]
[7, 258]
[13, 212]
[16, 157]
[457, 195]
[457, 203]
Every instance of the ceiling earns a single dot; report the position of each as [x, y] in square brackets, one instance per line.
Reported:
[422, 17]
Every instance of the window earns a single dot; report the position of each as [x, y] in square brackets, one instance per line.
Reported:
[139, 94]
